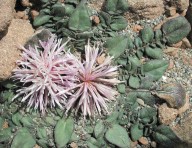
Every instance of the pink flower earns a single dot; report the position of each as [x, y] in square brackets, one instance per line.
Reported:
[95, 83]
[44, 74]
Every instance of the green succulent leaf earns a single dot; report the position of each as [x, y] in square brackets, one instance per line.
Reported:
[121, 88]
[1, 122]
[80, 19]
[69, 9]
[118, 136]
[41, 19]
[176, 29]
[99, 129]
[16, 118]
[27, 121]
[5, 134]
[166, 137]
[63, 132]
[147, 114]
[119, 24]
[147, 35]
[43, 143]
[136, 132]
[116, 45]
[134, 82]
[23, 139]
[42, 133]
[58, 10]
[155, 53]
[155, 69]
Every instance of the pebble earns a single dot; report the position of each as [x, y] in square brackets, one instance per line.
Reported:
[144, 141]
[153, 144]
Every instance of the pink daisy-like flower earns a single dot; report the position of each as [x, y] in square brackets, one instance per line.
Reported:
[95, 83]
[44, 74]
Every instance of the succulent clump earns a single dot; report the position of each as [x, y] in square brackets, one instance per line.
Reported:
[44, 73]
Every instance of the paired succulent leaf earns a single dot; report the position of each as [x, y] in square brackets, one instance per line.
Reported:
[63, 132]
[23, 139]
[118, 136]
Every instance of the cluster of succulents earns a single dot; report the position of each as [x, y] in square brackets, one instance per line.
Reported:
[135, 114]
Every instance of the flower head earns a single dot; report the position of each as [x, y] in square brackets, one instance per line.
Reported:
[44, 74]
[95, 83]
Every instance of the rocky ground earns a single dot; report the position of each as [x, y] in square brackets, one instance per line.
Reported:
[16, 29]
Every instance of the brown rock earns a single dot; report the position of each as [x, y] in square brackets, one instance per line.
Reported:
[6, 15]
[101, 59]
[171, 11]
[177, 45]
[184, 12]
[19, 14]
[153, 144]
[34, 13]
[185, 107]
[26, 17]
[137, 28]
[26, 3]
[133, 144]
[167, 115]
[95, 19]
[144, 141]
[187, 60]
[183, 130]
[171, 64]
[150, 9]
[181, 5]
[185, 43]
[172, 51]
[18, 33]
[73, 145]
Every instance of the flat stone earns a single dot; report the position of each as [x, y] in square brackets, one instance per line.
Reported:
[6, 15]
[18, 33]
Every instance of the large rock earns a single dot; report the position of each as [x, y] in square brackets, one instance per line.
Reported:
[149, 9]
[6, 15]
[18, 33]
[181, 5]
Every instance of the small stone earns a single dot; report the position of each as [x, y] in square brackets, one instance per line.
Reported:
[19, 14]
[101, 59]
[73, 145]
[134, 144]
[177, 45]
[172, 51]
[166, 115]
[26, 3]
[144, 141]
[184, 12]
[185, 43]
[137, 28]
[171, 11]
[95, 19]
[34, 13]
[171, 64]
[153, 144]
[186, 106]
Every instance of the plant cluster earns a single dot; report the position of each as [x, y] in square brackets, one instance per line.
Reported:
[141, 64]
